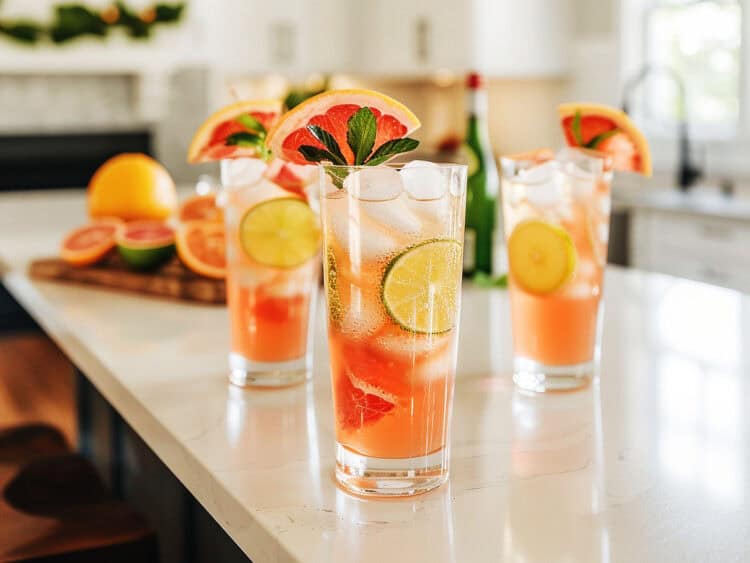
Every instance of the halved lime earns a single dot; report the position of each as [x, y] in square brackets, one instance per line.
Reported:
[421, 285]
[282, 232]
[541, 256]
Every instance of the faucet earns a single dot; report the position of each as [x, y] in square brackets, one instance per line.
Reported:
[687, 172]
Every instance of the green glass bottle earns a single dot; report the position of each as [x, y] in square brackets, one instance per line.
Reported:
[483, 182]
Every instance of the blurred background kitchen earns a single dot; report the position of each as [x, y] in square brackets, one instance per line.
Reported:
[103, 77]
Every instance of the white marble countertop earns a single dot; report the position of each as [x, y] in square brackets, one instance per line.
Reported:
[698, 200]
[653, 464]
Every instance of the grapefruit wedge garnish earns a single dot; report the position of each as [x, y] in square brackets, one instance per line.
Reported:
[90, 243]
[235, 131]
[608, 130]
[344, 127]
[201, 247]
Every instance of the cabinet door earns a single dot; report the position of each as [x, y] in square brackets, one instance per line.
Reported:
[400, 37]
[529, 38]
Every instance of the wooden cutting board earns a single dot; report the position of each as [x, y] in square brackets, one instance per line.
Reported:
[172, 281]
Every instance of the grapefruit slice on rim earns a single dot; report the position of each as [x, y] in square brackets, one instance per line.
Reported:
[201, 246]
[229, 133]
[201, 207]
[90, 243]
[331, 111]
[608, 130]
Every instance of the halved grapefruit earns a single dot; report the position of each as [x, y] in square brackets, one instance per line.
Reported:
[201, 207]
[201, 246]
[235, 131]
[331, 112]
[90, 243]
[608, 130]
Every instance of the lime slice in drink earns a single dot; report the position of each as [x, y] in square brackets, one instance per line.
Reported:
[420, 286]
[541, 256]
[282, 233]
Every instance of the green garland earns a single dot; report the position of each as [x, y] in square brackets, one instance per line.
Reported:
[71, 21]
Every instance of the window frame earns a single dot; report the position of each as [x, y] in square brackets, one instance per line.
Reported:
[723, 152]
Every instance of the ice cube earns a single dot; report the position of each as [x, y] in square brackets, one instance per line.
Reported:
[438, 366]
[544, 173]
[364, 314]
[580, 161]
[424, 180]
[241, 172]
[379, 183]
[393, 216]
[359, 236]
[546, 192]
[411, 345]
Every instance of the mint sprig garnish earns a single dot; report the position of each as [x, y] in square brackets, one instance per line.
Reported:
[328, 142]
[362, 128]
[361, 132]
[389, 149]
[253, 136]
[575, 128]
[601, 137]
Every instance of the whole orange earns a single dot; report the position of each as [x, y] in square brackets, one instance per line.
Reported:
[132, 186]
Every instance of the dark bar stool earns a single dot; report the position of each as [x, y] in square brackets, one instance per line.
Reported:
[54, 508]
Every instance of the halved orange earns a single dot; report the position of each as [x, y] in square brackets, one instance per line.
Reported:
[201, 245]
[608, 130]
[201, 207]
[90, 243]
[331, 111]
[227, 133]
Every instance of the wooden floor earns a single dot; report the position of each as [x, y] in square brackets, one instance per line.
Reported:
[36, 383]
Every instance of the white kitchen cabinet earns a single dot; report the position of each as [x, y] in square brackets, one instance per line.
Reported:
[709, 249]
[503, 38]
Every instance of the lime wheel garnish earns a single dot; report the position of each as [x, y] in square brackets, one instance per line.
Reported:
[541, 256]
[282, 233]
[421, 285]
[235, 131]
[608, 130]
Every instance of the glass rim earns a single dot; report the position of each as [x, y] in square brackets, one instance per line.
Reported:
[395, 165]
[513, 163]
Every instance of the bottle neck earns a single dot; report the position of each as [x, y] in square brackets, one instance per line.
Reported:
[476, 109]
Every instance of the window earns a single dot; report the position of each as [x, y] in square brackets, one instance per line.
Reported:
[700, 41]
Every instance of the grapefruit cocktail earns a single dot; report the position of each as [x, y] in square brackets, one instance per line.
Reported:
[392, 269]
[273, 241]
[557, 210]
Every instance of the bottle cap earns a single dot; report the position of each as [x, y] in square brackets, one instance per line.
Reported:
[474, 81]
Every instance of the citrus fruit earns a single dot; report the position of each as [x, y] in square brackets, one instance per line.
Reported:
[145, 244]
[200, 207]
[132, 186]
[282, 232]
[541, 256]
[235, 131]
[331, 111]
[90, 243]
[293, 178]
[608, 130]
[421, 285]
[201, 246]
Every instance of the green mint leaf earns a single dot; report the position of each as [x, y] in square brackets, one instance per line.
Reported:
[328, 142]
[575, 128]
[250, 123]
[389, 149]
[360, 134]
[338, 175]
[485, 280]
[315, 154]
[243, 139]
[596, 141]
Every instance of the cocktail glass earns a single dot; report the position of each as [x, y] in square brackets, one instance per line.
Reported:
[393, 261]
[556, 210]
[270, 293]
